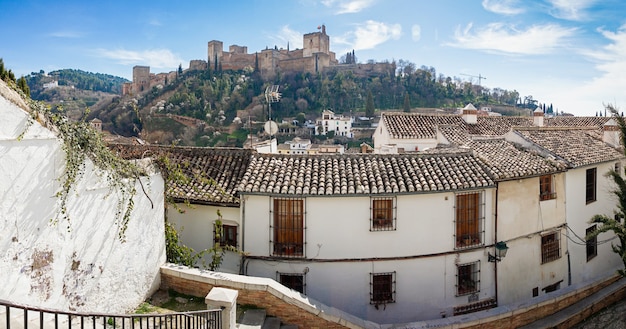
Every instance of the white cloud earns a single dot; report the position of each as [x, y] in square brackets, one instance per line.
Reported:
[347, 6]
[369, 34]
[506, 39]
[416, 32]
[157, 58]
[287, 35]
[66, 34]
[570, 9]
[504, 7]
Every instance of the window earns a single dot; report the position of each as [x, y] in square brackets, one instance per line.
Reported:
[546, 188]
[228, 236]
[467, 278]
[289, 227]
[550, 247]
[592, 244]
[382, 214]
[590, 185]
[382, 288]
[295, 281]
[469, 216]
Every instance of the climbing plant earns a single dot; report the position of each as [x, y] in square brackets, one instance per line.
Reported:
[81, 142]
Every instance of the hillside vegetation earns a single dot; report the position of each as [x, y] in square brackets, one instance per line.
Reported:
[229, 105]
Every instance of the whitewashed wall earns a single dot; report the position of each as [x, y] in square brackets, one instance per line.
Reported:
[522, 217]
[338, 228]
[81, 265]
[578, 215]
[195, 228]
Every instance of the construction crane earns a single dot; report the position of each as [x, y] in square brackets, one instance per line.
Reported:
[480, 77]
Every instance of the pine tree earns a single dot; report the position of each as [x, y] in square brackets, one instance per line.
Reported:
[369, 106]
[614, 224]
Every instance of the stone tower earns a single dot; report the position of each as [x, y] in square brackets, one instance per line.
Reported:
[215, 51]
[316, 42]
[141, 78]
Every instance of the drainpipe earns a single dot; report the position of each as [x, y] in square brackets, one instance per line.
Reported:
[495, 236]
[242, 204]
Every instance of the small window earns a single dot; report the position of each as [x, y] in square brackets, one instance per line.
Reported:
[590, 185]
[382, 214]
[468, 278]
[382, 288]
[295, 281]
[550, 247]
[618, 168]
[228, 236]
[546, 188]
[469, 220]
[592, 244]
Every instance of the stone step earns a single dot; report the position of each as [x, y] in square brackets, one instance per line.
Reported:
[289, 326]
[271, 323]
[252, 319]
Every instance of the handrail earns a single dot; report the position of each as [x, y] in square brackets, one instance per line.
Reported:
[38, 317]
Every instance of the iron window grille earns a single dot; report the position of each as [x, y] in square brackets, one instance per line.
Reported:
[383, 214]
[382, 288]
[295, 281]
[550, 247]
[469, 219]
[546, 188]
[590, 185]
[592, 244]
[467, 278]
[288, 227]
[228, 236]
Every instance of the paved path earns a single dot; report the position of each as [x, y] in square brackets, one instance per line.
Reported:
[612, 317]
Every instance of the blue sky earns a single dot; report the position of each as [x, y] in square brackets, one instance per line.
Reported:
[571, 53]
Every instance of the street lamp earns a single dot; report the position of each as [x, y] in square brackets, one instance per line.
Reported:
[501, 250]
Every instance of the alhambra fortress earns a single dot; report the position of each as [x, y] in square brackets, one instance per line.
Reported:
[314, 57]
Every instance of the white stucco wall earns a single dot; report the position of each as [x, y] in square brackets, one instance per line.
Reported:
[195, 228]
[341, 252]
[522, 218]
[78, 265]
[578, 215]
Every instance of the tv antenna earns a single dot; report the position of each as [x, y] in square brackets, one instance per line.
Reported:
[271, 96]
[480, 77]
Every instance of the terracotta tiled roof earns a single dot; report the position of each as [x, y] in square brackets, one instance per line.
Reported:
[506, 161]
[568, 121]
[575, 145]
[412, 125]
[498, 126]
[362, 174]
[214, 172]
[455, 134]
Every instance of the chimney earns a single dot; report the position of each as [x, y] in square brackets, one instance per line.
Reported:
[611, 133]
[538, 117]
[470, 114]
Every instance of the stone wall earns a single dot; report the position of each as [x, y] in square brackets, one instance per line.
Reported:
[295, 308]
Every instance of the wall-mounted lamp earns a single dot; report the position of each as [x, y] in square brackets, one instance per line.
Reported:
[501, 250]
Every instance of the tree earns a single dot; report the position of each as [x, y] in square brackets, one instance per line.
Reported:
[369, 106]
[407, 104]
[614, 224]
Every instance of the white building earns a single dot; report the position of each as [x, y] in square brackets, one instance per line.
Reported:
[340, 125]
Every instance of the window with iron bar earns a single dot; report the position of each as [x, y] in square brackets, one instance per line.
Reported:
[467, 278]
[592, 244]
[228, 236]
[382, 288]
[550, 247]
[288, 227]
[383, 214]
[295, 281]
[469, 219]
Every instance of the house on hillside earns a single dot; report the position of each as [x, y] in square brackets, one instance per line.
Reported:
[338, 124]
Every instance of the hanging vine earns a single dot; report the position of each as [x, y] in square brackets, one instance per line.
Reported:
[80, 142]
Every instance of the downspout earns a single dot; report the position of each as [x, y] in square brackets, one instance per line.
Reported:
[242, 202]
[495, 237]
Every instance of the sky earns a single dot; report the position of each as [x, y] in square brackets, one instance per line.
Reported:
[568, 53]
